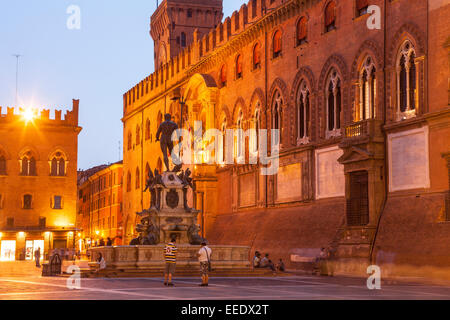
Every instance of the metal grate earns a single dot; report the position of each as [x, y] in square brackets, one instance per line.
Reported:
[358, 203]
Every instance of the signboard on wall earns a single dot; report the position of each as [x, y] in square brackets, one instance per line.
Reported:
[330, 177]
[409, 166]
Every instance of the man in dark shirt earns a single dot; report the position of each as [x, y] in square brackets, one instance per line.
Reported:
[164, 136]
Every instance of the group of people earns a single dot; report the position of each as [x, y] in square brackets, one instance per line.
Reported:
[102, 243]
[170, 255]
[265, 262]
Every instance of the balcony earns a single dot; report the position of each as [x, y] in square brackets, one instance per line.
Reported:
[364, 131]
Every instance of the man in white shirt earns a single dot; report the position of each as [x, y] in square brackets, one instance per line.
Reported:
[204, 257]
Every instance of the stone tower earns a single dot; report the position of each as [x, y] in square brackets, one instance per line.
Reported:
[172, 25]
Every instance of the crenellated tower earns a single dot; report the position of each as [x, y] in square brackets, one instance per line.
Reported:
[172, 25]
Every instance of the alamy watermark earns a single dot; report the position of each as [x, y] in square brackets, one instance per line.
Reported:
[74, 19]
[226, 148]
[74, 281]
[374, 280]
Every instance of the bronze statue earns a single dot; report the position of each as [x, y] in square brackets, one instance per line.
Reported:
[150, 185]
[193, 236]
[147, 229]
[185, 177]
[164, 136]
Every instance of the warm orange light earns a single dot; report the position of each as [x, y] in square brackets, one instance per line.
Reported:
[21, 234]
[97, 232]
[28, 115]
[79, 234]
[1, 234]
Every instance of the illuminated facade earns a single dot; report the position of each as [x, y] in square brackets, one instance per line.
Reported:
[100, 205]
[364, 117]
[38, 181]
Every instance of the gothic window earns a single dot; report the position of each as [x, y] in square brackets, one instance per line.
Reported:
[28, 167]
[277, 45]
[257, 56]
[406, 81]
[334, 103]
[240, 136]
[277, 116]
[361, 7]
[27, 201]
[302, 31]
[2, 165]
[257, 127]
[223, 129]
[223, 76]
[138, 135]
[330, 16]
[239, 67]
[138, 178]
[147, 130]
[128, 181]
[189, 13]
[129, 141]
[367, 90]
[58, 165]
[303, 113]
[183, 40]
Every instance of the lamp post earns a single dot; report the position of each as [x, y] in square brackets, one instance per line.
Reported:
[176, 96]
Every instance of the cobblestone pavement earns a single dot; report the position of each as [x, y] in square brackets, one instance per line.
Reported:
[22, 281]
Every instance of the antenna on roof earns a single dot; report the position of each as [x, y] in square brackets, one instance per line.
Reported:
[17, 75]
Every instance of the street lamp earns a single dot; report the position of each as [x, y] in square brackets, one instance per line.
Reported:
[176, 96]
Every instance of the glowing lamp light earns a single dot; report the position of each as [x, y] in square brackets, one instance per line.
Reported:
[97, 232]
[21, 234]
[28, 115]
[79, 234]
[1, 234]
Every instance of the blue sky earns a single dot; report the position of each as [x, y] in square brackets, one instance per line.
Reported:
[96, 64]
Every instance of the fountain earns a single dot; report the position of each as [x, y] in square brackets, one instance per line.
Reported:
[170, 216]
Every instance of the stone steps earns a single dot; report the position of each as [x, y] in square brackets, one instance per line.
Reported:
[157, 273]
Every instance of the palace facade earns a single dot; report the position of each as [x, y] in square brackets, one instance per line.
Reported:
[100, 205]
[38, 181]
[364, 116]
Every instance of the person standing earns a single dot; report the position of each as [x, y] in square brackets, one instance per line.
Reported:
[109, 242]
[37, 257]
[204, 257]
[170, 254]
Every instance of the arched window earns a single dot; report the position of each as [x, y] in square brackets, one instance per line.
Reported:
[302, 31]
[257, 56]
[223, 76]
[239, 67]
[138, 135]
[2, 165]
[129, 141]
[406, 81]
[367, 90]
[334, 103]
[147, 170]
[240, 137]
[138, 178]
[277, 115]
[222, 148]
[361, 7]
[277, 45]
[183, 40]
[128, 181]
[58, 165]
[28, 165]
[147, 130]
[303, 113]
[27, 201]
[257, 127]
[330, 16]
[159, 119]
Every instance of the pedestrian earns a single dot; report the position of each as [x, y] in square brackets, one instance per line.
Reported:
[101, 262]
[280, 266]
[109, 242]
[102, 242]
[204, 257]
[271, 266]
[37, 257]
[265, 261]
[257, 260]
[170, 255]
